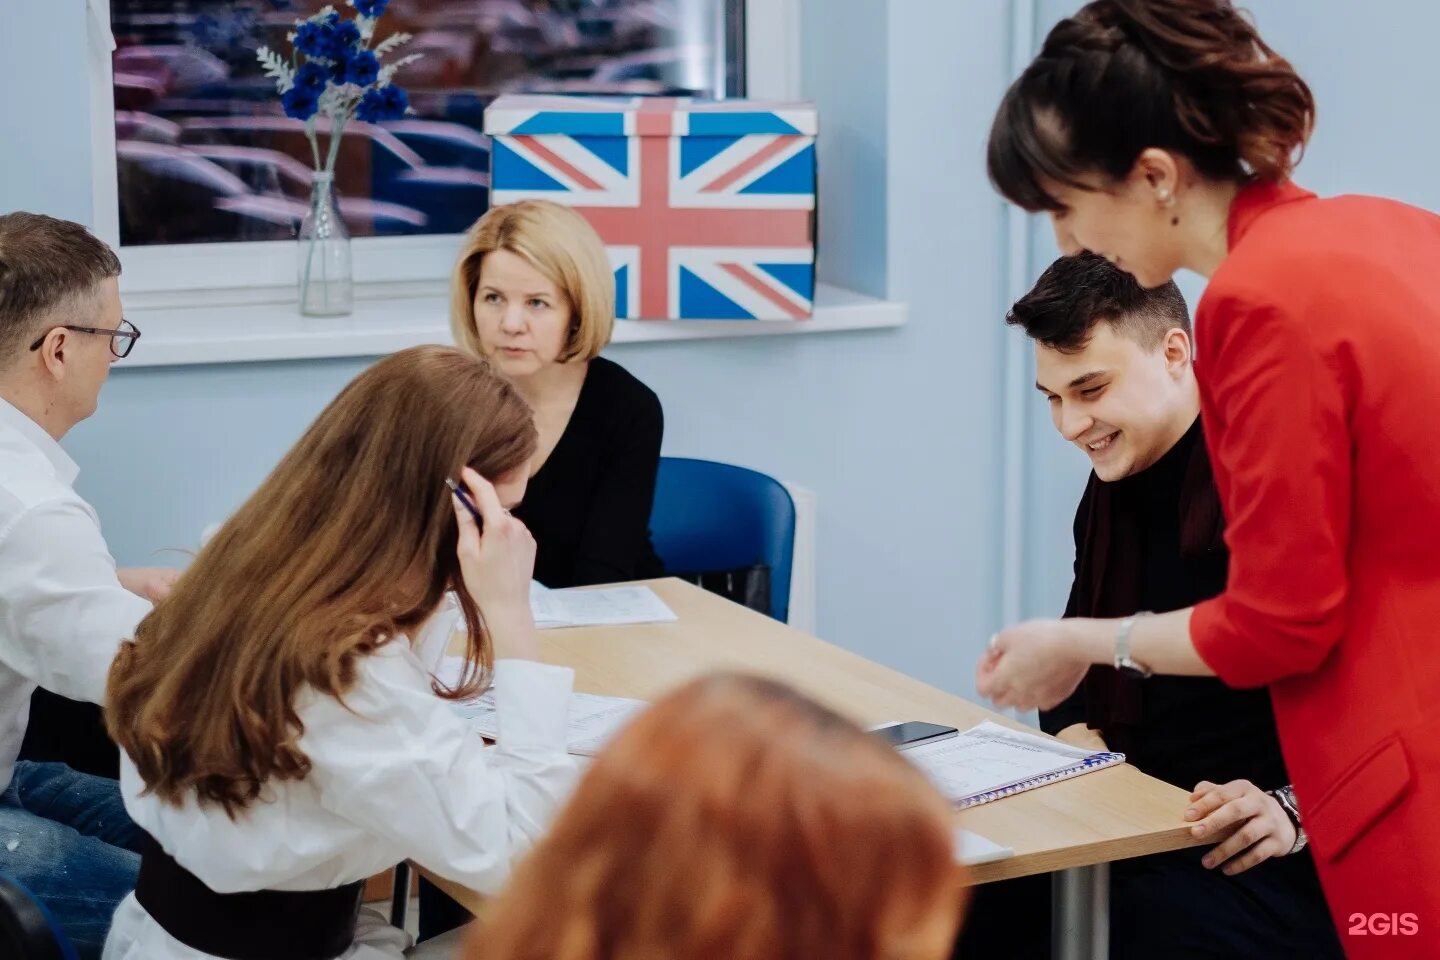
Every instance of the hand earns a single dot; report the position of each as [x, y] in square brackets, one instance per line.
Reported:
[1035, 664]
[1261, 827]
[152, 583]
[1080, 735]
[497, 566]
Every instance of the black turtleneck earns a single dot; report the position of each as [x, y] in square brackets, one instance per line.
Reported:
[1152, 541]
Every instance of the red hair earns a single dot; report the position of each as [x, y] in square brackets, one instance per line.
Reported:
[738, 820]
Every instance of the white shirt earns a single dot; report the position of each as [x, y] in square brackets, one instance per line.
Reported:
[397, 775]
[63, 612]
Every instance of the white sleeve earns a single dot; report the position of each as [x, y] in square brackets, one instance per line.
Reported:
[63, 612]
[398, 762]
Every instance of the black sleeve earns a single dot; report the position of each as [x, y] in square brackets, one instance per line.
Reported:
[1071, 710]
[615, 542]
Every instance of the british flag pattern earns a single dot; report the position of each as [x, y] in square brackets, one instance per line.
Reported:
[707, 208]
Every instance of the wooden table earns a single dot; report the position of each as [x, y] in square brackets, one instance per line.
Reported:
[1110, 814]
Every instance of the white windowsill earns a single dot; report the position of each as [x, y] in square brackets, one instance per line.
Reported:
[392, 317]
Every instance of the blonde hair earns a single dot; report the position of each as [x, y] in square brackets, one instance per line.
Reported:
[350, 542]
[559, 243]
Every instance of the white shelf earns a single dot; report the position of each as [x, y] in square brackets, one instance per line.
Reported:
[238, 326]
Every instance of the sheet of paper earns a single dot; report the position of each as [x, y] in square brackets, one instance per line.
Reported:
[989, 756]
[971, 848]
[593, 719]
[608, 606]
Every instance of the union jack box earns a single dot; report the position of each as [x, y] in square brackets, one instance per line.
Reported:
[707, 208]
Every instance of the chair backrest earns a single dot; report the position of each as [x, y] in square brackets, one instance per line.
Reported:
[27, 931]
[717, 516]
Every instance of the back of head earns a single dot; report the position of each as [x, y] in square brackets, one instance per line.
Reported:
[1075, 293]
[1121, 76]
[349, 542]
[559, 243]
[46, 266]
[737, 820]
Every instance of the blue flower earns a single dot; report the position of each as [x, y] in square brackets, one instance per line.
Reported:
[313, 38]
[362, 69]
[312, 78]
[344, 37]
[299, 103]
[371, 8]
[383, 103]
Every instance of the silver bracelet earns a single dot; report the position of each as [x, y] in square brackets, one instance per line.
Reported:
[1285, 796]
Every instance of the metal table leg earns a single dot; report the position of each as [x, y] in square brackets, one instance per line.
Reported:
[1080, 913]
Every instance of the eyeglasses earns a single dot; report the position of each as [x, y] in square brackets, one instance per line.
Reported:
[122, 339]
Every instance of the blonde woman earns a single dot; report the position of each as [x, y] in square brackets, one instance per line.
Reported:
[534, 294]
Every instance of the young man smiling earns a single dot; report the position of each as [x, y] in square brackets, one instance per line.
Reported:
[1115, 363]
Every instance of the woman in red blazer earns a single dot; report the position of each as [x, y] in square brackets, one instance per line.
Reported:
[1161, 134]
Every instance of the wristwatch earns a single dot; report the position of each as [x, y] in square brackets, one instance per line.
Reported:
[1285, 796]
[1123, 662]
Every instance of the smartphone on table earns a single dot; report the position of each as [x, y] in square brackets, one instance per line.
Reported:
[913, 733]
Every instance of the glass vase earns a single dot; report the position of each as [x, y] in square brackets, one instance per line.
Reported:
[327, 285]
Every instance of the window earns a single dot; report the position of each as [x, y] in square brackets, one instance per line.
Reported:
[203, 154]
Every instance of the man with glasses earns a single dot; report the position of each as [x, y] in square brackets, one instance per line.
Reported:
[64, 607]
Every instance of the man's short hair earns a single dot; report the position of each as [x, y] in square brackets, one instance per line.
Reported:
[44, 262]
[1075, 293]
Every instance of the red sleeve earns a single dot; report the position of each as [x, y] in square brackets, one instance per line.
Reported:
[1275, 404]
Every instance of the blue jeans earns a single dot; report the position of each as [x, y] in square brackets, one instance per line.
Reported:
[66, 837]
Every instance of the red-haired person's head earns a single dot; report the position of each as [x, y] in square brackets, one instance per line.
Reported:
[1138, 122]
[736, 819]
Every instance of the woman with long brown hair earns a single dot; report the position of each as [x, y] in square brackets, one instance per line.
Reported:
[1162, 134]
[282, 735]
[738, 820]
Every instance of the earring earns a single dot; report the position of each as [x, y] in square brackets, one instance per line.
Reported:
[1164, 196]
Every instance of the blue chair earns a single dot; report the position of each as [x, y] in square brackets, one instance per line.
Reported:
[27, 931]
[715, 516]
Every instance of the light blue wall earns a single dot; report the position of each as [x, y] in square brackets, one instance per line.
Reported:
[45, 110]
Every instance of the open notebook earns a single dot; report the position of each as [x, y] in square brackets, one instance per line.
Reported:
[990, 761]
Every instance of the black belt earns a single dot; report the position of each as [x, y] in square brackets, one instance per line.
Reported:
[263, 925]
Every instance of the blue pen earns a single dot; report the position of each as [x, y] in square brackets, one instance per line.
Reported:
[465, 500]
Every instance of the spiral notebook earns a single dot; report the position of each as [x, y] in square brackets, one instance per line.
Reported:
[990, 761]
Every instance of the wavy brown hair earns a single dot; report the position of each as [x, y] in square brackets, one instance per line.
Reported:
[738, 820]
[349, 542]
[1121, 76]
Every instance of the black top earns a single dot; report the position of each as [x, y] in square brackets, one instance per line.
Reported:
[589, 506]
[1152, 541]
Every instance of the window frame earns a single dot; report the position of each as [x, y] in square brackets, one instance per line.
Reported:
[237, 271]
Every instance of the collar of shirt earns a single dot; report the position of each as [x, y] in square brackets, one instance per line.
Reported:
[13, 422]
[1255, 199]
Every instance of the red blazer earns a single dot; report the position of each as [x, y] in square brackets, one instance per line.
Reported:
[1318, 356]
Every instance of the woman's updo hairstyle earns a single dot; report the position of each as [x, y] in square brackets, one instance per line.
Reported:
[1190, 76]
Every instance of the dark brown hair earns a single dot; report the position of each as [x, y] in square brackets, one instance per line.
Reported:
[348, 544]
[1121, 76]
[1075, 293]
[43, 263]
[738, 820]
